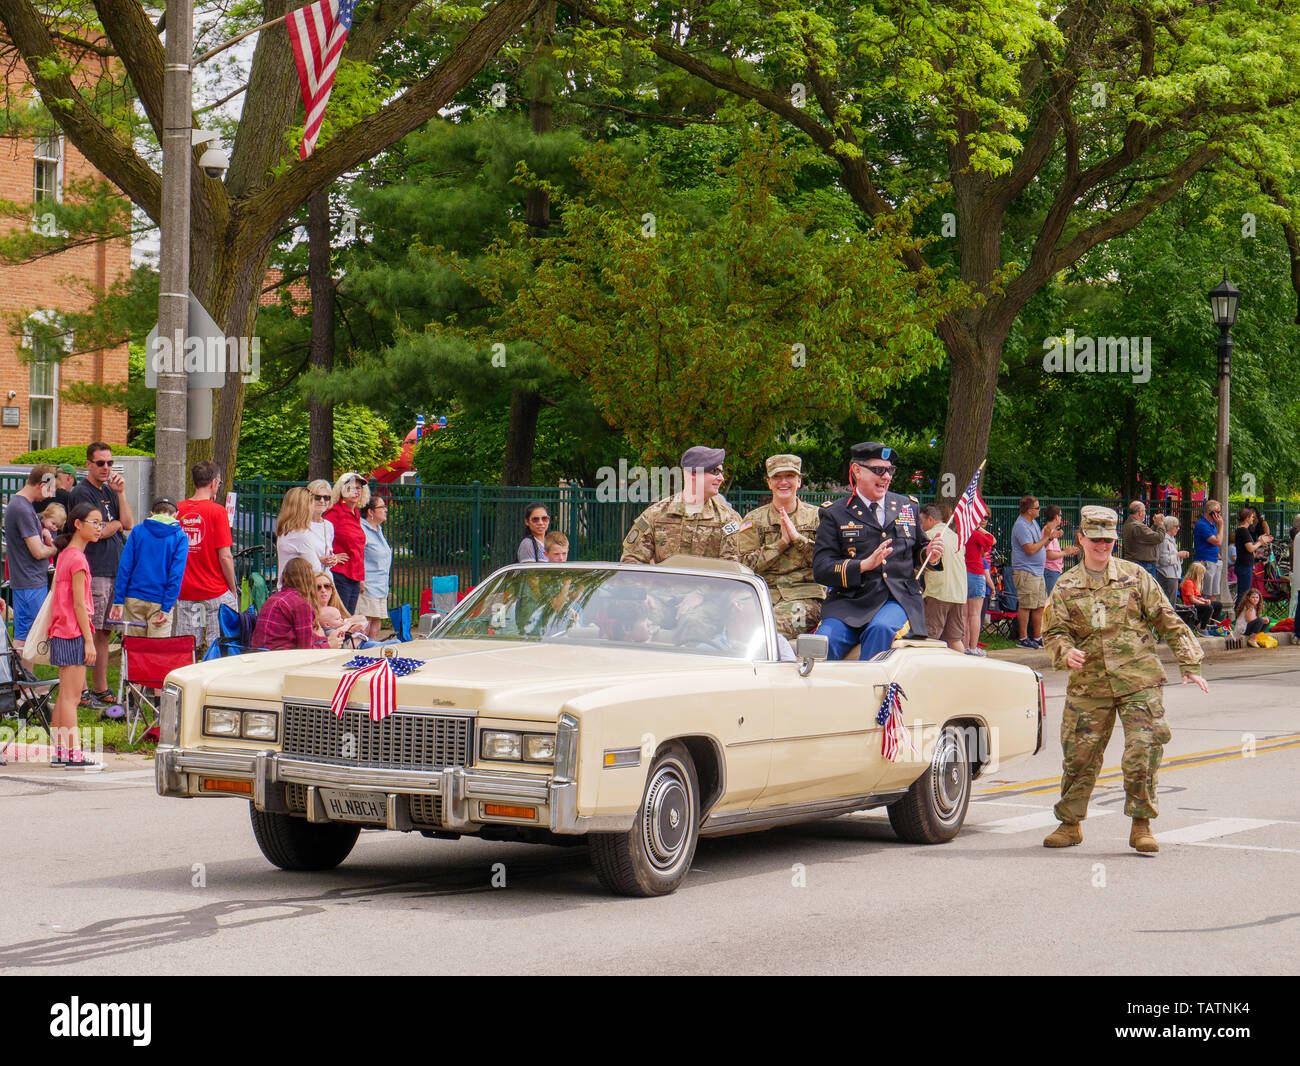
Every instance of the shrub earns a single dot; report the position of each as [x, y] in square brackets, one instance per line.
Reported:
[71, 453]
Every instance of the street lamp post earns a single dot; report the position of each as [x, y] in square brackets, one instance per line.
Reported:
[172, 424]
[1224, 298]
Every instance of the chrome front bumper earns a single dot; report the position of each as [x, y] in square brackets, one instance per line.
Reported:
[462, 790]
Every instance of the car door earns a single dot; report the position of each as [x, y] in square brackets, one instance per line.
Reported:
[825, 741]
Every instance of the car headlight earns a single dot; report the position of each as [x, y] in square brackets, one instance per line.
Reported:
[169, 715]
[220, 723]
[258, 725]
[538, 748]
[498, 744]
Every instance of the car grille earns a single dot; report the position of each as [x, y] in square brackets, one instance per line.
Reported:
[404, 740]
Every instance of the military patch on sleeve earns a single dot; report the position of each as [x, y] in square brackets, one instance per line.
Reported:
[827, 503]
[913, 498]
[633, 535]
[735, 527]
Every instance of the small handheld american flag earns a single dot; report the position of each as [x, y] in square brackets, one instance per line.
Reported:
[970, 510]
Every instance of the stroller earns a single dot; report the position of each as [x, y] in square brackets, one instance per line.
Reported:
[1001, 605]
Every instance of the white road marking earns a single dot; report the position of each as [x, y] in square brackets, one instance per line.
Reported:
[1023, 822]
[1220, 827]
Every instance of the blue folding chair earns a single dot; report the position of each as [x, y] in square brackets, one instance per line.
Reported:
[401, 619]
[236, 633]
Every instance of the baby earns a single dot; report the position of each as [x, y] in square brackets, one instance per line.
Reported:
[331, 618]
[53, 518]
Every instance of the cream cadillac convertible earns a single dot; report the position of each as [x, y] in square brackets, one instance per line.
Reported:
[640, 707]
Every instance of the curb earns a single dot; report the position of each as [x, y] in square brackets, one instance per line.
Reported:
[1216, 650]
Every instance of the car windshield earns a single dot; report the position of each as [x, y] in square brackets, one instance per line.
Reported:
[697, 614]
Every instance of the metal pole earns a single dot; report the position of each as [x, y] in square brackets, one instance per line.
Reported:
[1221, 460]
[172, 432]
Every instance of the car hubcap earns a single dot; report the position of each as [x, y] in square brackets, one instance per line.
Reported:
[667, 817]
[949, 769]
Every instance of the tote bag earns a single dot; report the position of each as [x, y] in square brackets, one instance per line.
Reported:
[36, 649]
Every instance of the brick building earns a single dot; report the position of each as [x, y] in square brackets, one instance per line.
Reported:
[37, 171]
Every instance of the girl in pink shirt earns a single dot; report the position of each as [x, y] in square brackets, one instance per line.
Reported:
[72, 642]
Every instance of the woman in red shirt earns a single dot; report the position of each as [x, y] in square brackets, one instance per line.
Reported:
[977, 547]
[351, 493]
[71, 640]
[288, 618]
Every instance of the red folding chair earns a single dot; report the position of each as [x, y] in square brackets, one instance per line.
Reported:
[146, 662]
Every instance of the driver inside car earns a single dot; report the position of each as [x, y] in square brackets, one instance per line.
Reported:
[743, 635]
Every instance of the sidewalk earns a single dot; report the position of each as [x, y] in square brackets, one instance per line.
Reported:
[1215, 651]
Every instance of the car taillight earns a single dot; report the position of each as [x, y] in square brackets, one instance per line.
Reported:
[1042, 697]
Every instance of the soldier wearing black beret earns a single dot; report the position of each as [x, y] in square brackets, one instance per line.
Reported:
[868, 549]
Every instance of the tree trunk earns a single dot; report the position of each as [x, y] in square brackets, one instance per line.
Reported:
[972, 386]
[320, 446]
[521, 437]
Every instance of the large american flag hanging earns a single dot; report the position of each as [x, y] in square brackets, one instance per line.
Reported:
[317, 33]
[970, 510]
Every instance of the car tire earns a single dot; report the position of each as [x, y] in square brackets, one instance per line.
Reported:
[297, 844]
[654, 856]
[935, 806]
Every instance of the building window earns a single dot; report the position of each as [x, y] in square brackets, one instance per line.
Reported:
[48, 183]
[43, 390]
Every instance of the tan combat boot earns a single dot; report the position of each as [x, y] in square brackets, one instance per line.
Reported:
[1064, 835]
[1140, 836]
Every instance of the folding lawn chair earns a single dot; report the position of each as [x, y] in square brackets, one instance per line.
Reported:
[1001, 611]
[23, 700]
[236, 633]
[146, 662]
[446, 592]
[401, 619]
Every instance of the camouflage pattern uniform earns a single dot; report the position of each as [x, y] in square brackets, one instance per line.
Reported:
[665, 528]
[1109, 620]
[796, 596]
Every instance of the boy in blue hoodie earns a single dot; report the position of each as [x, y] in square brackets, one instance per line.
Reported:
[150, 572]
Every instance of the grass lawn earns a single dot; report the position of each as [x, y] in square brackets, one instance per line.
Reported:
[114, 732]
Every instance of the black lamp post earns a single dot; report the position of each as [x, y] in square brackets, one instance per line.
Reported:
[1224, 298]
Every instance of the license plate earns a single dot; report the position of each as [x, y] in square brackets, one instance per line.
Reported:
[346, 806]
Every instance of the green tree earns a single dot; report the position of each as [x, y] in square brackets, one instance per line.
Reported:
[1023, 136]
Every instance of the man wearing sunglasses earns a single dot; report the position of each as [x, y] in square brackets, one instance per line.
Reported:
[106, 491]
[694, 521]
[868, 550]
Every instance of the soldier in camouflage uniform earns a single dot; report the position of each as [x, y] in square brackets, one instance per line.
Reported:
[691, 522]
[1097, 625]
[778, 546]
[694, 521]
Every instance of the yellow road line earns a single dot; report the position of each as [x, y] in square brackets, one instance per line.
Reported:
[1202, 758]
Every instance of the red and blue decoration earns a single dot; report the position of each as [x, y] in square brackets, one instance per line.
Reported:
[383, 674]
[890, 716]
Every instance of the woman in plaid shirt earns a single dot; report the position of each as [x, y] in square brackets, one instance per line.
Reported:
[288, 617]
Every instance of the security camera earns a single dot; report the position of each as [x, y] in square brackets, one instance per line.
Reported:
[214, 162]
[12, 393]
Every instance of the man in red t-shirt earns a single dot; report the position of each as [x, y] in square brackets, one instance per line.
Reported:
[210, 569]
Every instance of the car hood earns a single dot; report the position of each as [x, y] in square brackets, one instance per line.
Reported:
[514, 680]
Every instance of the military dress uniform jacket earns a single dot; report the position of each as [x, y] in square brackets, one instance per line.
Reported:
[1109, 620]
[666, 528]
[787, 570]
[847, 536]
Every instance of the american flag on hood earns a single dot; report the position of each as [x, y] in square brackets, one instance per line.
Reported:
[317, 33]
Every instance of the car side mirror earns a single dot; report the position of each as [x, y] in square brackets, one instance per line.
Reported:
[809, 648]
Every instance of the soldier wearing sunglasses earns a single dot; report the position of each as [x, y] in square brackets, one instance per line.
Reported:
[868, 549]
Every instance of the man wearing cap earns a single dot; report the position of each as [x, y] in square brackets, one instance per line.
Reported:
[868, 549]
[65, 477]
[1097, 626]
[150, 572]
[778, 546]
[691, 522]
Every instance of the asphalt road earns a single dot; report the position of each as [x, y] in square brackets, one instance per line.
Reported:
[102, 876]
